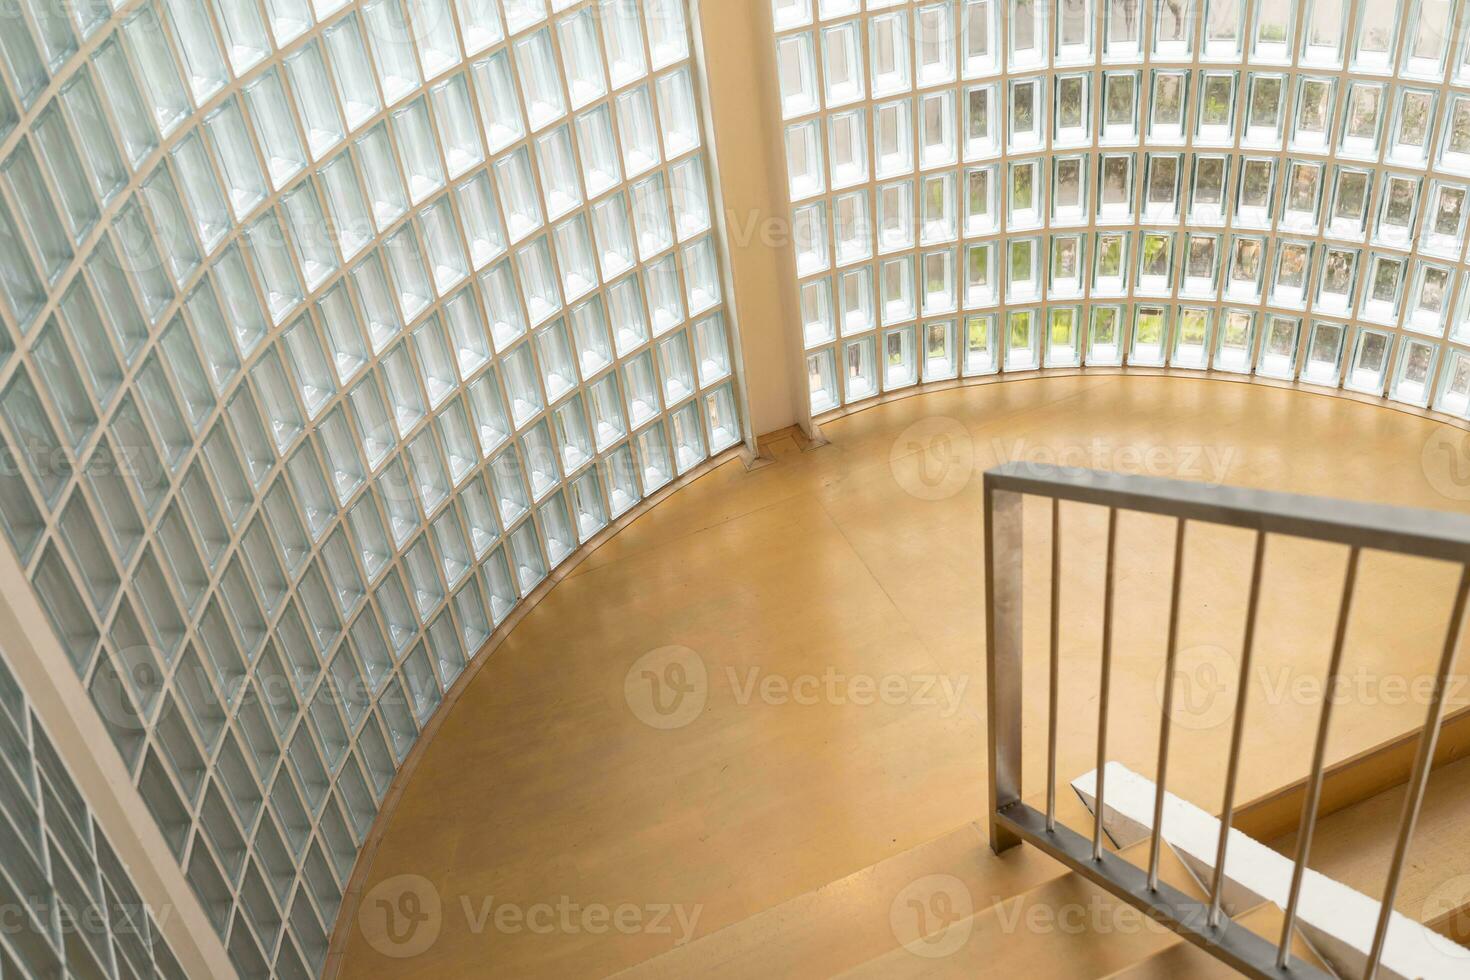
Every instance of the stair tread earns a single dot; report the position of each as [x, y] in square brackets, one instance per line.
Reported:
[1065, 928]
[1182, 959]
[849, 921]
[1355, 844]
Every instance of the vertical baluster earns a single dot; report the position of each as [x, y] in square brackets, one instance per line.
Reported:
[1003, 614]
[1237, 733]
[1165, 728]
[1103, 690]
[1319, 761]
[1420, 781]
[1055, 666]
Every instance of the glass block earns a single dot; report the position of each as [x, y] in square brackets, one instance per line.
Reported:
[243, 32]
[1023, 340]
[656, 468]
[498, 288]
[392, 43]
[687, 438]
[352, 221]
[624, 40]
[423, 688]
[431, 479]
[667, 29]
[541, 460]
[313, 94]
[590, 335]
[541, 79]
[288, 19]
[58, 375]
[890, 53]
[375, 295]
[165, 90]
[489, 412]
[453, 548]
[432, 27]
[351, 71]
[244, 183]
[518, 198]
[606, 407]
[1369, 369]
[380, 174]
[575, 258]
[405, 397]
[349, 351]
[664, 297]
[66, 171]
[598, 150]
[509, 487]
[174, 435]
[343, 464]
[173, 818]
[479, 513]
[560, 184]
[500, 108]
[529, 561]
[270, 582]
[311, 490]
[638, 131]
[418, 150]
[626, 312]
[581, 58]
[456, 117]
[48, 235]
[481, 219]
[679, 117]
[804, 164]
[561, 538]
[280, 143]
[90, 555]
[35, 440]
[204, 66]
[539, 286]
[412, 286]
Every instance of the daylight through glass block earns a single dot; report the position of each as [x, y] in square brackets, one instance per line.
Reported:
[330, 331]
[1273, 189]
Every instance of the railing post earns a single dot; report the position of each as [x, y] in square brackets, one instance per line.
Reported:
[1003, 655]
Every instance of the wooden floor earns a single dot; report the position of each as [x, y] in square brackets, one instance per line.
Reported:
[823, 708]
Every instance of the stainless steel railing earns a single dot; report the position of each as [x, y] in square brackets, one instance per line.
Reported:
[1359, 526]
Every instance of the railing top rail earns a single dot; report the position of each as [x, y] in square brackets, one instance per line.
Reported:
[1403, 530]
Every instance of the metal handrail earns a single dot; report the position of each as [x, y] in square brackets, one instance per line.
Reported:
[1359, 526]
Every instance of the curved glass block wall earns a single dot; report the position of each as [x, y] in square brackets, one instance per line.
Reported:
[329, 330]
[71, 908]
[1274, 188]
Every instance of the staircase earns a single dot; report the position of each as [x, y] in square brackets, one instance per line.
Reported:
[953, 908]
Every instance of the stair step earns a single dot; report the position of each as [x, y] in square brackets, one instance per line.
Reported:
[1066, 928]
[852, 920]
[1267, 920]
[1183, 959]
[1336, 919]
[1355, 846]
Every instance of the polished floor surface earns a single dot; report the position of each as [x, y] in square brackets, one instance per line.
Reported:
[776, 678]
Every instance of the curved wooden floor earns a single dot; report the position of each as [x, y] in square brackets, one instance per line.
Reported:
[553, 824]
